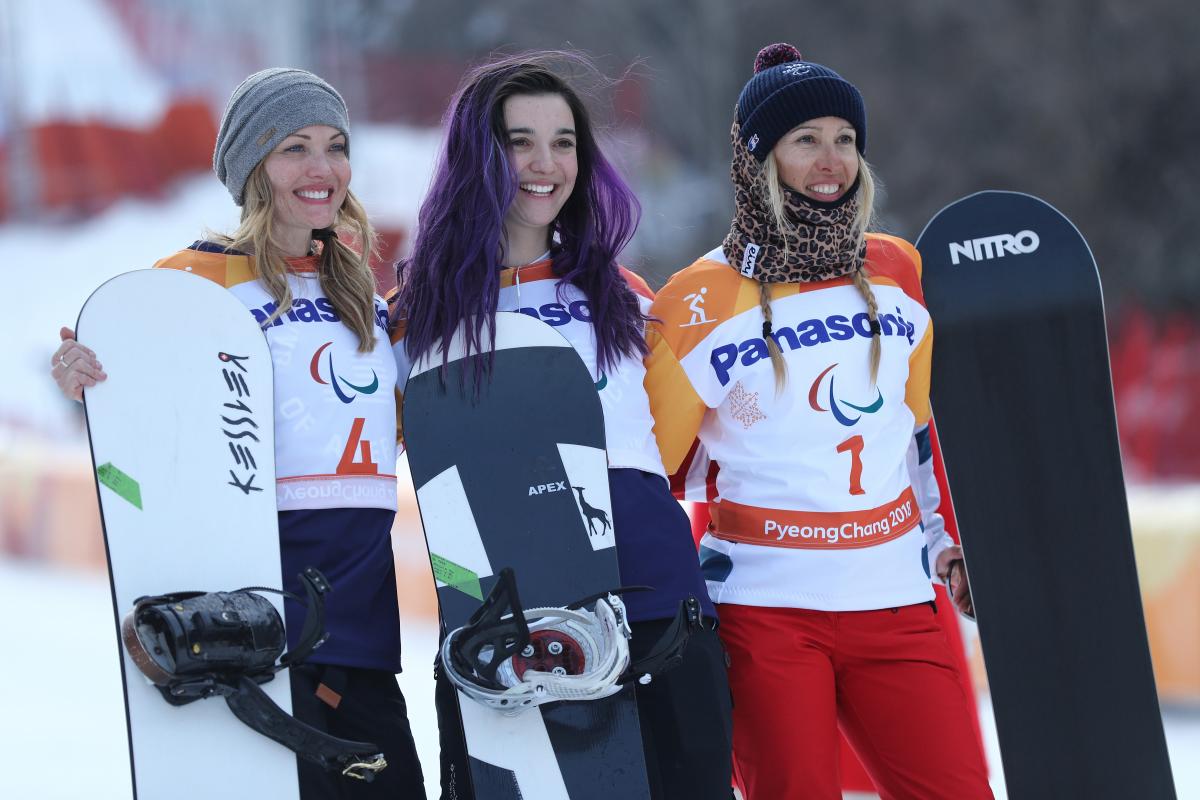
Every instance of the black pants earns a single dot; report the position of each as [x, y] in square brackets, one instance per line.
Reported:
[371, 709]
[687, 719]
[685, 713]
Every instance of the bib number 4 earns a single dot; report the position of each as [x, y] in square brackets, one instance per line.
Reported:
[356, 457]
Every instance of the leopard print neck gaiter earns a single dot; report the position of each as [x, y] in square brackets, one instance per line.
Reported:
[820, 245]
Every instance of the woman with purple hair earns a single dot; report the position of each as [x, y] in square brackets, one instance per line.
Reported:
[526, 214]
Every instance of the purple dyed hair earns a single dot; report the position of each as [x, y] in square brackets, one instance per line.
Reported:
[454, 269]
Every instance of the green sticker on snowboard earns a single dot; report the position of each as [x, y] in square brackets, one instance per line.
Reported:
[125, 486]
[456, 576]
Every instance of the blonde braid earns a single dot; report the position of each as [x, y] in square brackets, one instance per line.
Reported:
[772, 186]
[866, 216]
[867, 187]
[864, 288]
[777, 362]
[344, 273]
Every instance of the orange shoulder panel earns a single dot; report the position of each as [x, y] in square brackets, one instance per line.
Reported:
[698, 298]
[895, 261]
[538, 271]
[219, 268]
[636, 283]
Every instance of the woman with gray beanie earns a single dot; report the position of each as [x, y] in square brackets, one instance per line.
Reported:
[283, 153]
[798, 353]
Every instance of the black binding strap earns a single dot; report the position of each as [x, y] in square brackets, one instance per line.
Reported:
[499, 623]
[313, 634]
[251, 705]
[667, 652]
[488, 627]
[194, 645]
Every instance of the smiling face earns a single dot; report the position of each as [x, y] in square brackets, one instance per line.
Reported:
[309, 174]
[818, 158]
[542, 149]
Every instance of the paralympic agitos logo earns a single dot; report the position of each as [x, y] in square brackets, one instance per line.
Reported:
[837, 407]
[336, 381]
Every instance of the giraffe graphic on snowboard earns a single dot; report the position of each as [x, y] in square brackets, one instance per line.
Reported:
[592, 514]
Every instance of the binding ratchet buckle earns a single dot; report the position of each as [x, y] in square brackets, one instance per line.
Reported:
[194, 645]
[365, 770]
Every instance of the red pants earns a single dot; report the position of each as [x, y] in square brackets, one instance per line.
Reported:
[886, 678]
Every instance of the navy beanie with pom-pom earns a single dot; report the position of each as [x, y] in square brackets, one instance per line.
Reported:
[786, 91]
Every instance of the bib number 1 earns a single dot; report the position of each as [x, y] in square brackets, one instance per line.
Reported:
[854, 446]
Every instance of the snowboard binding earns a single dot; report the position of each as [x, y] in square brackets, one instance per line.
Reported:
[511, 659]
[667, 652]
[194, 645]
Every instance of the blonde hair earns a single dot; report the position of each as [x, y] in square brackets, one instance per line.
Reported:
[777, 362]
[345, 274]
[772, 187]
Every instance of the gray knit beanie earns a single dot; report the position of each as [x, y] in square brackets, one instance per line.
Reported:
[262, 111]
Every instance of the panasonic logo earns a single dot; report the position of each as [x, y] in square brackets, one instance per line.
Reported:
[989, 247]
[809, 333]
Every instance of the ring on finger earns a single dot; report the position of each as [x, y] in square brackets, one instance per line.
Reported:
[62, 360]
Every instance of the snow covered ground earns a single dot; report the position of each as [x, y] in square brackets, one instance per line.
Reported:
[63, 732]
[62, 735]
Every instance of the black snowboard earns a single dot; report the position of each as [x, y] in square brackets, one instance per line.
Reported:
[516, 476]
[1023, 399]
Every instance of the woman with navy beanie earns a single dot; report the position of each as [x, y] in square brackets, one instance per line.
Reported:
[797, 353]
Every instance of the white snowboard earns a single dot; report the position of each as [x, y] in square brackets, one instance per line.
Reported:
[183, 445]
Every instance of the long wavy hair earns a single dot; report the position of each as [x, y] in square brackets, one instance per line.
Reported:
[453, 272]
[344, 272]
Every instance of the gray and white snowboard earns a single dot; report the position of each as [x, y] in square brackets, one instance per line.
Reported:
[183, 446]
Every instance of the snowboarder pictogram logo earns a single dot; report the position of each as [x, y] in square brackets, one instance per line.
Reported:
[696, 306]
